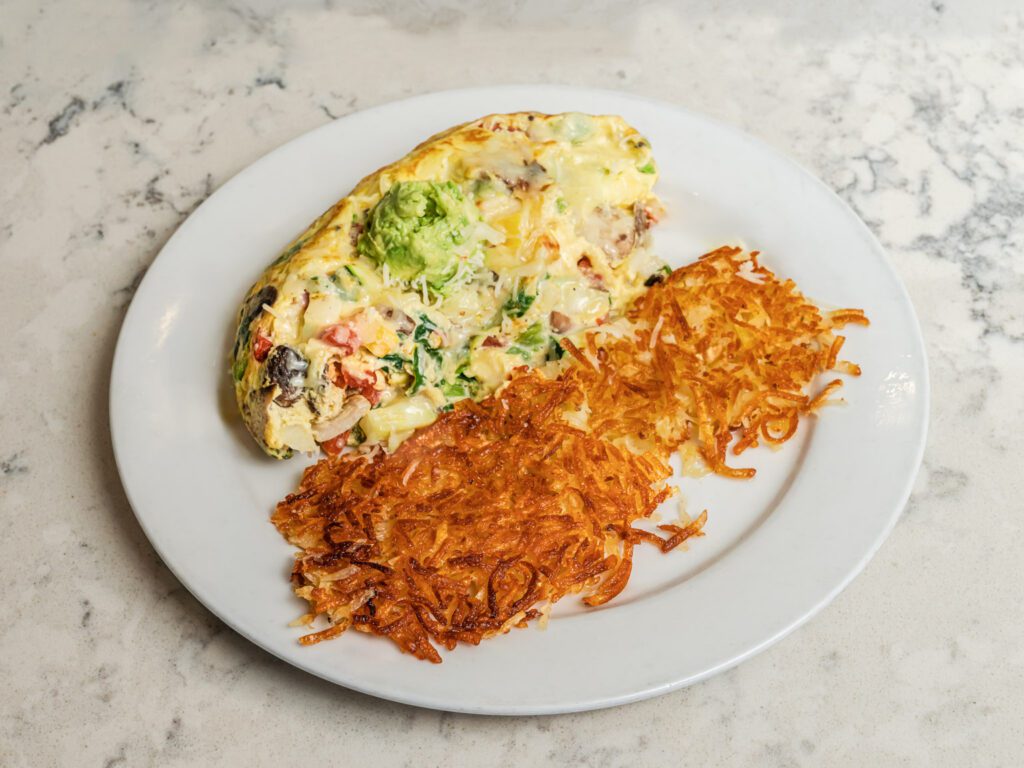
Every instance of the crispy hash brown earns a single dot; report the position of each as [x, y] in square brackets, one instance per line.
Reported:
[723, 351]
[481, 521]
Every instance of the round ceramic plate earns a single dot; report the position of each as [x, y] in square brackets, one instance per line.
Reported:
[778, 547]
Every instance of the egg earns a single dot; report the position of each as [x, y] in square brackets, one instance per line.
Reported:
[441, 273]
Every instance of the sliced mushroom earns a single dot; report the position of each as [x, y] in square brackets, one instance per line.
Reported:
[266, 297]
[286, 368]
[654, 279]
[586, 267]
[613, 230]
[403, 324]
[532, 176]
[641, 219]
[354, 233]
[560, 323]
[351, 412]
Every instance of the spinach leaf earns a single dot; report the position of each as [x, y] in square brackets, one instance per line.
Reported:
[424, 328]
[417, 372]
[518, 304]
[422, 338]
[394, 361]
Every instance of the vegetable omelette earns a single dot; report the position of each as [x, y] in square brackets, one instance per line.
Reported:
[476, 254]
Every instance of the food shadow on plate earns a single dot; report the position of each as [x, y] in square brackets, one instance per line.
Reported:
[633, 594]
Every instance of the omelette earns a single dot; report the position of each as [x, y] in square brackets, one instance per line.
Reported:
[441, 274]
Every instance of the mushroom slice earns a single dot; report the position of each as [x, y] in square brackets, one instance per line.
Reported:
[613, 230]
[351, 412]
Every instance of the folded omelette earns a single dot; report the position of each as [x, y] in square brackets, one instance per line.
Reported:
[440, 274]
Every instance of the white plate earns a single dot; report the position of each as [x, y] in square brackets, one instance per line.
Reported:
[777, 549]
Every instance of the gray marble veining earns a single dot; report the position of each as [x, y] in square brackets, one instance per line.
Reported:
[117, 120]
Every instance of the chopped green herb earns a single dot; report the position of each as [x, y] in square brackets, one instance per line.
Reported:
[666, 270]
[561, 205]
[649, 168]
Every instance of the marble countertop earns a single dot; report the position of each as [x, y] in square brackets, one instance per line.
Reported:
[115, 124]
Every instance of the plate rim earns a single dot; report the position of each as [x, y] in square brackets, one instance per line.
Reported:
[119, 366]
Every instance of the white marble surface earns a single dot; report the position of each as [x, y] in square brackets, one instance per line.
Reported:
[116, 123]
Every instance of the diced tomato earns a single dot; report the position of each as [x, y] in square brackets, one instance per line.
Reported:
[335, 445]
[587, 269]
[261, 347]
[363, 383]
[343, 336]
[649, 215]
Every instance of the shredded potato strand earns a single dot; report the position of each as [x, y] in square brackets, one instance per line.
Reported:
[500, 508]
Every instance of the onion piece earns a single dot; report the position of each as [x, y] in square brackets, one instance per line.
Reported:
[351, 412]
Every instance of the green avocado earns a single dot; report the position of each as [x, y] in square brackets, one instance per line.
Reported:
[414, 230]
